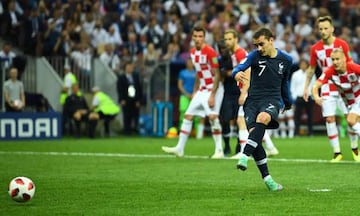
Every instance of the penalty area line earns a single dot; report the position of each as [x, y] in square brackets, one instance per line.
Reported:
[123, 155]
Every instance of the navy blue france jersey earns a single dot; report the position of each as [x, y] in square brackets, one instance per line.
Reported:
[230, 85]
[269, 76]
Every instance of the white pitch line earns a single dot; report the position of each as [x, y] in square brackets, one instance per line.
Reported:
[99, 154]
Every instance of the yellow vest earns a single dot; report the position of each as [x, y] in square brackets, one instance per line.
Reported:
[64, 95]
[106, 104]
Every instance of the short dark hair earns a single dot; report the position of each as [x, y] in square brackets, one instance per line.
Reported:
[199, 28]
[263, 32]
[233, 32]
[324, 19]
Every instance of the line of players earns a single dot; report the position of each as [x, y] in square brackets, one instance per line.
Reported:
[214, 85]
[210, 83]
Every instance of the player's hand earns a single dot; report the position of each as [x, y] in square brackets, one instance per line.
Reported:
[306, 96]
[211, 101]
[318, 100]
[241, 77]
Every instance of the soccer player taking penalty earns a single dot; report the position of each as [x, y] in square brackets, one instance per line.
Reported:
[270, 70]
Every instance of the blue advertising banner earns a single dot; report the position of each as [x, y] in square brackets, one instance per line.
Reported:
[28, 126]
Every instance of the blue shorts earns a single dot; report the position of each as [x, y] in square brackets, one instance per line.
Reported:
[229, 108]
[252, 108]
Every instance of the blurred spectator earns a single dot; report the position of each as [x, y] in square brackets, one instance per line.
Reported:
[103, 108]
[172, 53]
[53, 31]
[99, 36]
[195, 6]
[7, 55]
[64, 45]
[174, 6]
[88, 24]
[110, 58]
[150, 59]
[302, 28]
[291, 50]
[133, 46]
[114, 37]
[297, 85]
[76, 108]
[34, 29]
[166, 37]
[130, 95]
[82, 57]
[219, 21]
[248, 17]
[153, 32]
[135, 16]
[11, 23]
[173, 23]
[14, 92]
[74, 27]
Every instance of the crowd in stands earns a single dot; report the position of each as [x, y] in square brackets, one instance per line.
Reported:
[151, 30]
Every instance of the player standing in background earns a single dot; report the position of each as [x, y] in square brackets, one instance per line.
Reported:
[186, 81]
[208, 95]
[345, 76]
[238, 54]
[320, 55]
[269, 84]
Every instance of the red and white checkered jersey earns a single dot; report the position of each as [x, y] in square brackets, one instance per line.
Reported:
[347, 83]
[320, 55]
[237, 57]
[205, 60]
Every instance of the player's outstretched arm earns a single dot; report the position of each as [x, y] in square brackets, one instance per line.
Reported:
[309, 74]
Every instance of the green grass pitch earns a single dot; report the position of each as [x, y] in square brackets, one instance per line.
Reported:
[131, 176]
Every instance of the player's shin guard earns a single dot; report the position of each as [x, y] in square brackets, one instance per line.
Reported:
[216, 133]
[261, 160]
[184, 133]
[255, 138]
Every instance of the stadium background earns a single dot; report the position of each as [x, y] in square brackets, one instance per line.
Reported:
[43, 72]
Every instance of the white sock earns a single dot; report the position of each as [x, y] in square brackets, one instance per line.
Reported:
[267, 177]
[291, 127]
[356, 128]
[268, 142]
[282, 128]
[333, 135]
[243, 136]
[216, 134]
[184, 134]
[200, 131]
[353, 138]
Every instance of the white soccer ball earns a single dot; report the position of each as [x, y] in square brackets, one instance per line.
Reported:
[21, 189]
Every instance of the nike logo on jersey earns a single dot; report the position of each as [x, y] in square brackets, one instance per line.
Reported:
[262, 62]
[270, 107]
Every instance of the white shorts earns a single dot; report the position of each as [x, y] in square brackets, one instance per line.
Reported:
[330, 103]
[241, 112]
[199, 104]
[287, 114]
[355, 108]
